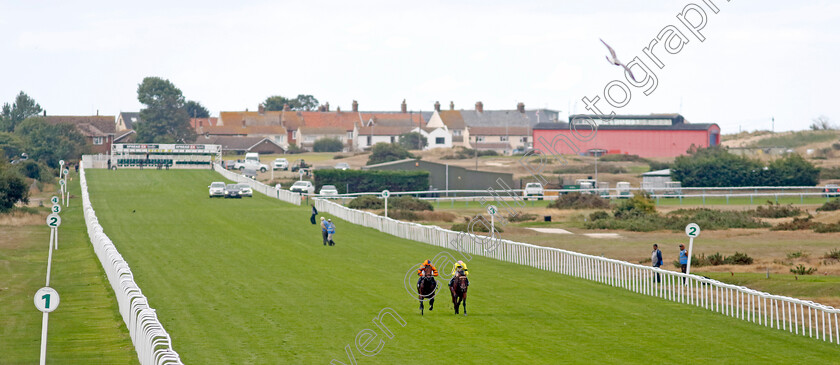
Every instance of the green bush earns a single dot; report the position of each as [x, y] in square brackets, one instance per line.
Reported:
[774, 210]
[618, 157]
[712, 219]
[830, 206]
[639, 205]
[827, 173]
[413, 141]
[522, 217]
[579, 201]
[372, 180]
[655, 165]
[327, 145]
[712, 167]
[366, 202]
[599, 215]
[387, 152]
[13, 188]
[801, 270]
[827, 228]
[402, 215]
[797, 224]
[590, 169]
[406, 202]
[293, 149]
[796, 254]
[738, 259]
[833, 254]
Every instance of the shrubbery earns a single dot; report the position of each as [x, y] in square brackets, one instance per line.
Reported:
[718, 259]
[327, 145]
[372, 180]
[830, 206]
[712, 167]
[774, 210]
[387, 152]
[579, 201]
[12, 188]
[802, 270]
[462, 153]
[366, 202]
[406, 202]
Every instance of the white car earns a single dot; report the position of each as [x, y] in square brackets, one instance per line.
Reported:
[280, 164]
[342, 166]
[245, 190]
[329, 190]
[534, 189]
[303, 187]
[217, 189]
[250, 164]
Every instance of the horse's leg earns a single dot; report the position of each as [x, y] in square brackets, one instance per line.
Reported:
[421, 304]
[432, 303]
[464, 300]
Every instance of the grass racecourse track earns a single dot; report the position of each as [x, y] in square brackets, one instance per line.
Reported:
[86, 328]
[249, 282]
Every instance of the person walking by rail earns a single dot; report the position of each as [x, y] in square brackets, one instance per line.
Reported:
[324, 230]
[683, 259]
[330, 232]
[656, 259]
[314, 213]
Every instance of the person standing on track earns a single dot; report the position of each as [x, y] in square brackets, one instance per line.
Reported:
[656, 259]
[324, 230]
[330, 232]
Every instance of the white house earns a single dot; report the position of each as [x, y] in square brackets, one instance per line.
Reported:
[437, 137]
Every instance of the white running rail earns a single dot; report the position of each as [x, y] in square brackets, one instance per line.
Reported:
[284, 195]
[797, 316]
[151, 341]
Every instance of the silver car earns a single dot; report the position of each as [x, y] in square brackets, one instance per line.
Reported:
[342, 166]
[217, 189]
[329, 190]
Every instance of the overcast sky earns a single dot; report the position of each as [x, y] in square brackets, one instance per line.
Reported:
[760, 59]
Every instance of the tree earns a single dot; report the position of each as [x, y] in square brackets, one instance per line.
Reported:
[413, 141]
[301, 102]
[165, 118]
[327, 145]
[23, 107]
[822, 123]
[49, 143]
[196, 110]
[10, 145]
[13, 188]
[715, 167]
[386, 152]
[793, 170]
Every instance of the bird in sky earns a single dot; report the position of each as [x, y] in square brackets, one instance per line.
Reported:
[614, 60]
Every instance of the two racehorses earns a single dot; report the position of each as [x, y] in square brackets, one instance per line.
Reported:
[428, 286]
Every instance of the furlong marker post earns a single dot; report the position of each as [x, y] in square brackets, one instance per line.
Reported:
[66, 202]
[386, 194]
[692, 230]
[46, 299]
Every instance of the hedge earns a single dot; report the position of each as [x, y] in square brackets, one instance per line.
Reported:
[372, 180]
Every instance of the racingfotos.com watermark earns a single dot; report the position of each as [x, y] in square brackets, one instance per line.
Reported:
[482, 233]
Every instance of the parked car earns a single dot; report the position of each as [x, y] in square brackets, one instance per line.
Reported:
[302, 187]
[217, 189]
[232, 191]
[329, 190]
[249, 172]
[534, 189]
[831, 190]
[250, 163]
[280, 164]
[245, 190]
[229, 164]
[342, 166]
[623, 189]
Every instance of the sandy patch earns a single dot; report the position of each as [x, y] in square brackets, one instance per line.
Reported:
[551, 230]
[602, 235]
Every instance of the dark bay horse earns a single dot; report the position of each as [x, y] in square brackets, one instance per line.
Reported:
[427, 287]
[459, 293]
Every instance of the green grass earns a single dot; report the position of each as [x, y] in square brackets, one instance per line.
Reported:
[86, 328]
[796, 139]
[248, 281]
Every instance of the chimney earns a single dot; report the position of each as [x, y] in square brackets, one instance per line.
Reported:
[520, 107]
[321, 108]
[97, 112]
[437, 106]
[403, 106]
[286, 107]
[479, 107]
[327, 107]
[338, 109]
[451, 105]
[45, 112]
[261, 109]
[355, 106]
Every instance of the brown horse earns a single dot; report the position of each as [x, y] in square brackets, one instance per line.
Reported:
[459, 293]
[426, 289]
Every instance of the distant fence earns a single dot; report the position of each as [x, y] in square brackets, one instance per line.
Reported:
[789, 314]
[151, 341]
[284, 195]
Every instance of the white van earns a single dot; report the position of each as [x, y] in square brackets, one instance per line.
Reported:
[252, 157]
